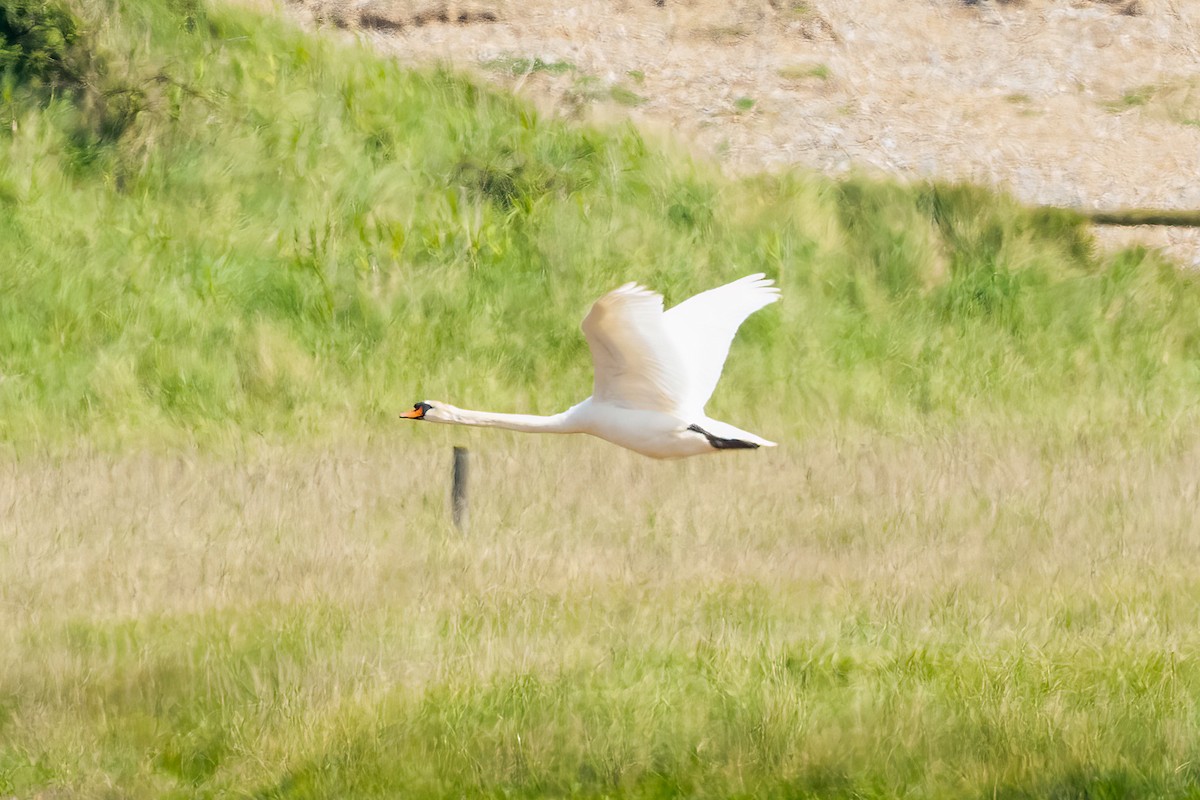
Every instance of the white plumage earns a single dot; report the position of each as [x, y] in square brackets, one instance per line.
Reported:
[654, 372]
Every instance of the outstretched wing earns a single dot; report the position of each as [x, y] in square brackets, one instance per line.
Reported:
[702, 328]
[636, 361]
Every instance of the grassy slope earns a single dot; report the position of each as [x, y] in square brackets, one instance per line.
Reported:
[978, 583]
[295, 236]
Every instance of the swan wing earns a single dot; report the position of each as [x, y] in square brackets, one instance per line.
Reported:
[636, 361]
[702, 328]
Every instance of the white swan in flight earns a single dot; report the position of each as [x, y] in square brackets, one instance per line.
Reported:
[654, 372]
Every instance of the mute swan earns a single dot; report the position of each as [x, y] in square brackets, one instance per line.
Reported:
[654, 372]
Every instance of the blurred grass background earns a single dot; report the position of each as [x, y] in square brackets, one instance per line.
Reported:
[231, 252]
[239, 227]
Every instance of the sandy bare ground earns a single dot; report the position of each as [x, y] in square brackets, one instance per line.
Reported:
[1087, 104]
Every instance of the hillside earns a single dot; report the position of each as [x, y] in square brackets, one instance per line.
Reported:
[287, 242]
[1089, 104]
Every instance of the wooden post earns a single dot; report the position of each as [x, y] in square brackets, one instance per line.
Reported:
[460, 512]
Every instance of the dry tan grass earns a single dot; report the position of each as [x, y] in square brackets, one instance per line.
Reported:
[288, 605]
[1020, 528]
[1024, 96]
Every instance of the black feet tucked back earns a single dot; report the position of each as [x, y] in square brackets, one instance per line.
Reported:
[724, 444]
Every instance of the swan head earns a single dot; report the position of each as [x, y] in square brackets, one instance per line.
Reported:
[430, 411]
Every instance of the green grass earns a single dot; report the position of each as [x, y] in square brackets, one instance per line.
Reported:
[1134, 98]
[588, 89]
[514, 66]
[865, 616]
[1177, 101]
[800, 72]
[225, 568]
[292, 237]
[625, 96]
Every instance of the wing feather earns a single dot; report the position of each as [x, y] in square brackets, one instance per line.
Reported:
[636, 361]
[702, 328]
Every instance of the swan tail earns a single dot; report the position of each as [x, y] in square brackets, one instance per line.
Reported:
[726, 437]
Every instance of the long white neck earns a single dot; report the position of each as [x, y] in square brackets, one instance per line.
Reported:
[525, 423]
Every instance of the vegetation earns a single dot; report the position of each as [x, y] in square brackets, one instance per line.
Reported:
[800, 72]
[235, 251]
[39, 42]
[514, 67]
[283, 239]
